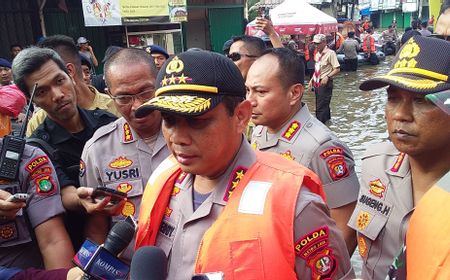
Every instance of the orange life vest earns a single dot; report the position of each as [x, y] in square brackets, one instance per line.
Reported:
[240, 244]
[340, 40]
[428, 235]
[369, 44]
[5, 125]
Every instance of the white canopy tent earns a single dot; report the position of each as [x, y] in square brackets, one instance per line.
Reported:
[297, 17]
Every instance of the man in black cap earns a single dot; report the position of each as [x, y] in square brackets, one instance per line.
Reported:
[158, 53]
[396, 173]
[251, 215]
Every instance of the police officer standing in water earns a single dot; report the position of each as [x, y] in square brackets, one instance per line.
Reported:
[218, 206]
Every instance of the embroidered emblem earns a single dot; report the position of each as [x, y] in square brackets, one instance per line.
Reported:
[124, 187]
[338, 167]
[362, 247]
[8, 232]
[290, 132]
[311, 243]
[238, 174]
[182, 104]
[331, 151]
[120, 162]
[175, 191]
[398, 162]
[363, 220]
[128, 209]
[44, 185]
[41, 171]
[323, 265]
[127, 135]
[407, 56]
[288, 155]
[175, 66]
[82, 168]
[36, 162]
[254, 146]
[168, 212]
[377, 188]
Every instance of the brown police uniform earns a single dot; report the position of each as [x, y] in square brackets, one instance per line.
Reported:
[384, 204]
[116, 157]
[37, 178]
[182, 228]
[307, 141]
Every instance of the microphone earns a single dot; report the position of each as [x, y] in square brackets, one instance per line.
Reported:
[101, 262]
[149, 263]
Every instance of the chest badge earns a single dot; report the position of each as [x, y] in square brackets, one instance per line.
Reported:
[377, 188]
[288, 155]
[124, 187]
[128, 209]
[120, 162]
[363, 220]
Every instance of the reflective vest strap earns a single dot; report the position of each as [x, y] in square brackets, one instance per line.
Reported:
[154, 202]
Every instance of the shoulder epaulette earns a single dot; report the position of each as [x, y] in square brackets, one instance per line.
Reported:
[317, 131]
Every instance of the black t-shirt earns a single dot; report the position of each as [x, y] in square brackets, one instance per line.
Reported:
[66, 147]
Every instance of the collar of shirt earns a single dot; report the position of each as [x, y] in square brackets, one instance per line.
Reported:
[122, 123]
[244, 159]
[302, 117]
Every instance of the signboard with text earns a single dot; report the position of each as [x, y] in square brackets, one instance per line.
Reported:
[133, 12]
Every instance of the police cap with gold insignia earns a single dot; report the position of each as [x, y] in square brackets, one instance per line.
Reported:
[194, 82]
[422, 65]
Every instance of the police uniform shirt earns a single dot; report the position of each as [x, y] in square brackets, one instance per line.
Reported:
[118, 158]
[384, 203]
[309, 142]
[182, 228]
[37, 178]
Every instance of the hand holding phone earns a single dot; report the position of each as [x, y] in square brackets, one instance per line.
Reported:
[18, 197]
[101, 193]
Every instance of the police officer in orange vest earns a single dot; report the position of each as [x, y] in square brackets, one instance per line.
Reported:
[216, 206]
[397, 173]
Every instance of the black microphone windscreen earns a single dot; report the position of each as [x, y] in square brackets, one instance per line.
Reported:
[119, 237]
[149, 263]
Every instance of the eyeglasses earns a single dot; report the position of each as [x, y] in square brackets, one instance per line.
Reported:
[128, 99]
[237, 56]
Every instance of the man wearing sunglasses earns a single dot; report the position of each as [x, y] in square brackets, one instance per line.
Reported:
[244, 51]
[398, 172]
[123, 154]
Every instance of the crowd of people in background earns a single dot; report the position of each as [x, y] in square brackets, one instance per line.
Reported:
[186, 137]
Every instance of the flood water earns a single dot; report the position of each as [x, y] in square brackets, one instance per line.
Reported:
[357, 117]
